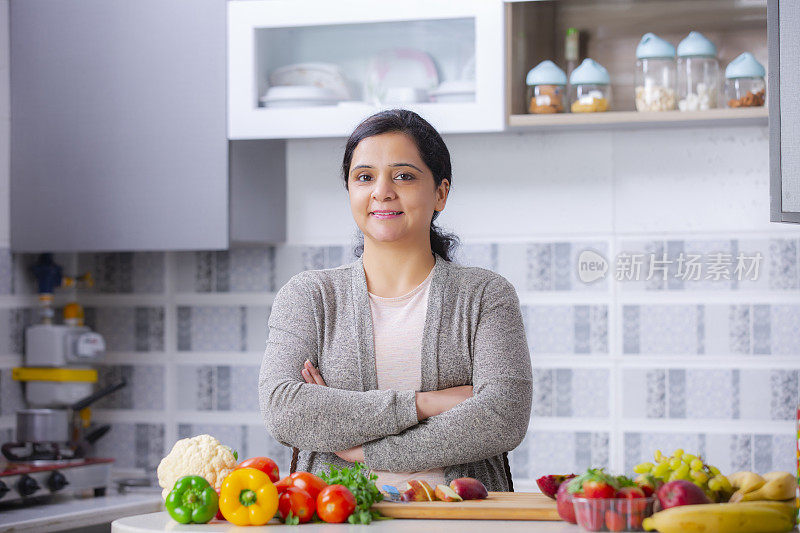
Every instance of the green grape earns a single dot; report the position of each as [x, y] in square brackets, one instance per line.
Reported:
[674, 463]
[687, 457]
[683, 471]
[714, 470]
[714, 484]
[699, 484]
[696, 465]
[700, 477]
[673, 476]
[677, 453]
[661, 470]
[726, 485]
[643, 468]
[658, 455]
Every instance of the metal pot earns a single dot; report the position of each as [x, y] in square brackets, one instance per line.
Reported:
[43, 425]
[57, 425]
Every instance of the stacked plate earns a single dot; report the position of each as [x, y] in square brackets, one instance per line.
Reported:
[306, 84]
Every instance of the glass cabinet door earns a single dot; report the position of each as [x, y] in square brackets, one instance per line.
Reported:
[302, 68]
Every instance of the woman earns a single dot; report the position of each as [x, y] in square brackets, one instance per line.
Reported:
[402, 360]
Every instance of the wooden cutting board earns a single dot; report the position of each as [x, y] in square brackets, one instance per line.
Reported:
[498, 506]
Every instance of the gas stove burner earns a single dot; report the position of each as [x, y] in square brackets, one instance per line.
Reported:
[28, 452]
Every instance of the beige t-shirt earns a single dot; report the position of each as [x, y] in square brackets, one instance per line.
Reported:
[397, 325]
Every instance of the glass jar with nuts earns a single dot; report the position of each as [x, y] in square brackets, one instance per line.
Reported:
[546, 88]
[744, 82]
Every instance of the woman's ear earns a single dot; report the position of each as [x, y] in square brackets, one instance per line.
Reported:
[441, 194]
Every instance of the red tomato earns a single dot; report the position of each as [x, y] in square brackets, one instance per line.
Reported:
[615, 521]
[298, 502]
[308, 482]
[283, 484]
[265, 464]
[335, 503]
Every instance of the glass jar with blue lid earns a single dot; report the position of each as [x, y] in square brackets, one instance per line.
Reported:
[546, 88]
[744, 82]
[655, 74]
[591, 91]
[698, 73]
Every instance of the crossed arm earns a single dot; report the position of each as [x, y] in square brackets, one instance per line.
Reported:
[400, 430]
[428, 404]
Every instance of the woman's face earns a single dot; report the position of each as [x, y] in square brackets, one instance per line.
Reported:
[387, 174]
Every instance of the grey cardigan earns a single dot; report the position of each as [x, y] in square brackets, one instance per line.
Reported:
[473, 335]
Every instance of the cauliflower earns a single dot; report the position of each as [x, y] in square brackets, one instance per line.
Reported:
[202, 455]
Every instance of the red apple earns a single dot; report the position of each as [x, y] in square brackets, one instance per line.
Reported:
[681, 492]
[469, 488]
[564, 504]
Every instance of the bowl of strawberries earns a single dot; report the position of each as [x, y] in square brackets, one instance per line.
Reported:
[602, 502]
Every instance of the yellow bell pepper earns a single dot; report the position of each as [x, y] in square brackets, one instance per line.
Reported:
[247, 497]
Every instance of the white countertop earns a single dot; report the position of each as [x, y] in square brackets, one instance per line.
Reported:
[69, 512]
[162, 522]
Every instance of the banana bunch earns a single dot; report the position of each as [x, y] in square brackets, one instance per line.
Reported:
[743, 517]
[775, 486]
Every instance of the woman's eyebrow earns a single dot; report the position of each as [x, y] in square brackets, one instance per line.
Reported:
[392, 165]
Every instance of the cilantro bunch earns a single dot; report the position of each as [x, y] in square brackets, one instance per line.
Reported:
[361, 482]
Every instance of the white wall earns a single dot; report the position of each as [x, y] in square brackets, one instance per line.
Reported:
[565, 184]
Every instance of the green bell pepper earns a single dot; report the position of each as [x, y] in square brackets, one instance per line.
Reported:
[192, 500]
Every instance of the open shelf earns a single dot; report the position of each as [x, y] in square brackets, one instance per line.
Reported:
[641, 119]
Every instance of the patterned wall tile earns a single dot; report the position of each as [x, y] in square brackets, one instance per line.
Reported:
[590, 392]
[222, 328]
[145, 388]
[218, 388]
[644, 393]
[12, 397]
[668, 329]
[479, 255]
[566, 328]
[250, 269]
[289, 260]
[128, 329]
[12, 328]
[6, 271]
[133, 445]
[125, 272]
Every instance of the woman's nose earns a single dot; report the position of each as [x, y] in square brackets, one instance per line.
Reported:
[383, 189]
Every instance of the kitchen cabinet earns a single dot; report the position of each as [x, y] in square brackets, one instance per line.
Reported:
[118, 129]
[372, 45]
[783, 99]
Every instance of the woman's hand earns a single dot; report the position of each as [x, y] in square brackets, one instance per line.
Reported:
[437, 402]
[352, 455]
[311, 374]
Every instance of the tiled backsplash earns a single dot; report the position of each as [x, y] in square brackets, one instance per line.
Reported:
[621, 367]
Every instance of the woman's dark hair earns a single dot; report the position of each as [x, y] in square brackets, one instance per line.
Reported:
[431, 148]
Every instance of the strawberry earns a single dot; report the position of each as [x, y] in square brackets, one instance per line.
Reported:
[549, 484]
[648, 483]
[615, 521]
[595, 483]
[636, 503]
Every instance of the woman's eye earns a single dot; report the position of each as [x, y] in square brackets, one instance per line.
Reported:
[358, 178]
[407, 176]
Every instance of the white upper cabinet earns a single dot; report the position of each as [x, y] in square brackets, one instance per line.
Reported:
[297, 72]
